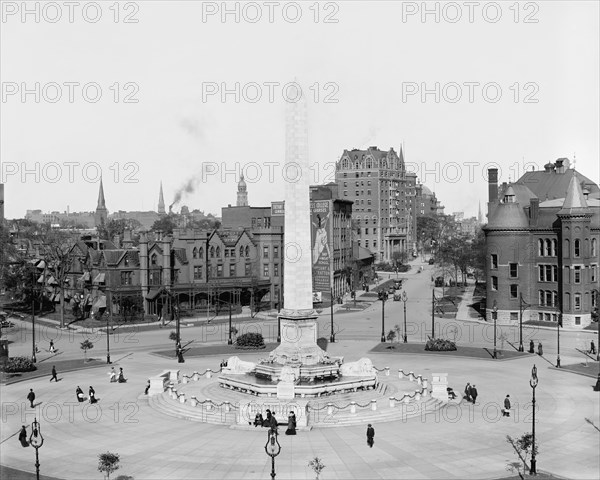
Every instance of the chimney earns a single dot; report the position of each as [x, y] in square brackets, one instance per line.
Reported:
[534, 209]
[492, 184]
[127, 241]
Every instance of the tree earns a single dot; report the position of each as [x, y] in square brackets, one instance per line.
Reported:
[391, 336]
[523, 448]
[118, 227]
[397, 330]
[85, 346]
[108, 463]
[317, 465]
[165, 224]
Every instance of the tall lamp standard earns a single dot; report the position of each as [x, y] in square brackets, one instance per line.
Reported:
[495, 317]
[36, 441]
[533, 382]
[272, 448]
[383, 295]
[558, 325]
[278, 317]
[229, 340]
[33, 358]
[404, 299]
[109, 318]
[332, 336]
[521, 349]
[595, 293]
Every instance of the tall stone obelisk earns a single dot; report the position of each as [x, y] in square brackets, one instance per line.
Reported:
[298, 319]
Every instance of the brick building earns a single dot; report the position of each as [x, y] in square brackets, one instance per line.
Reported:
[542, 246]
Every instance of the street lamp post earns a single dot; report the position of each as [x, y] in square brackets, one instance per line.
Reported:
[533, 382]
[272, 448]
[433, 313]
[558, 325]
[229, 340]
[383, 297]
[332, 335]
[278, 317]
[108, 319]
[33, 357]
[404, 299]
[36, 441]
[595, 293]
[521, 349]
[495, 317]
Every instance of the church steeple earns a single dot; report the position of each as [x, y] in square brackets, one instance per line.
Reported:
[161, 201]
[101, 210]
[242, 193]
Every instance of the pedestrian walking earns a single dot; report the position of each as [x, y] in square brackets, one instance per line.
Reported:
[51, 346]
[92, 393]
[23, 436]
[31, 397]
[79, 394]
[370, 435]
[593, 348]
[540, 349]
[468, 392]
[474, 394]
[147, 388]
[54, 377]
[291, 430]
[122, 378]
[506, 410]
[531, 347]
[113, 375]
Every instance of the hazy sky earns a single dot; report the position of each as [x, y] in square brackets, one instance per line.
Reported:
[134, 90]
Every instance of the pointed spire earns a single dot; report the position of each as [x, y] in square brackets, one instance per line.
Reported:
[101, 201]
[575, 202]
[161, 201]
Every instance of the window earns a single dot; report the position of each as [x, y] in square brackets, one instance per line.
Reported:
[247, 270]
[198, 272]
[366, 231]
[577, 301]
[275, 251]
[247, 251]
[195, 253]
[540, 247]
[226, 253]
[201, 253]
[266, 270]
[219, 270]
[577, 274]
[567, 304]
[514, 291]
[555, 298]
[494, 261]
[345, 193]
[374, 243]
[548, 273]
[577, 248]
[276, 270]
[541, 273]
[594, 248]
[577, 320]
[567, 248]
[232, 270]
[241, 251]
[548, 248]
[218, 252]
[212, 252]
[209, 271]
[126, 278]
[514, 316]
[554, 273]
[494, 283]
[366, 244]
[233, 252]
[153, 259]
[554, 247]
[548, 298]
[514, 270]
[541, 297]
[593, 273]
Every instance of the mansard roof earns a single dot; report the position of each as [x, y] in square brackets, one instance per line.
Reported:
[508, 216]
[548, 185]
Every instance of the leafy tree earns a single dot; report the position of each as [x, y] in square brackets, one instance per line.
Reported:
[391, 336]
[85, 346]
[317, 465]
[523, 447]
[165, 224]
[108, 463]
[118, 227]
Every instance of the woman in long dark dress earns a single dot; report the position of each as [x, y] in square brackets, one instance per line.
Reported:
[79, 394]
[291, 430]
[92, 392]
[122, 378]
[267, 420]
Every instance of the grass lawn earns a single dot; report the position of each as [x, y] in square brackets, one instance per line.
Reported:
[591, 370]
[225, 350]
[13, 474]
[44, 368]
[471, 352]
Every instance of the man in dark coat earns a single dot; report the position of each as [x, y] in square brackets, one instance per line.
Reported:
[31, 397]
[54, 377]
[531, 347]
[370, 435]
[474, 394]
[540, 349]
[23, 436]
[291, 430]
[506, 410]
[468, 392]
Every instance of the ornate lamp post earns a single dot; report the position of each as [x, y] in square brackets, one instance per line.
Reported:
[229, 340]
[521, 349]
[404, 299]
[495, 317]
[595, 293]
[36, 441]
[108, 318]
[272, 448]
[533, 382]
[558, 325]
[332, 335]
[383, 297]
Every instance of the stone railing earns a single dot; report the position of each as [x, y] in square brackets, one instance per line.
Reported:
[208, 373]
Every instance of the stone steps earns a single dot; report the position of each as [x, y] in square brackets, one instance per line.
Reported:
[164, 404]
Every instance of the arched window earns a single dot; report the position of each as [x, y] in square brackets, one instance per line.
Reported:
[153, 259]
[541, 247]
[195, 253]
[247, 251]
[548, 297]
[554, 247]
[201, 253]
[567, 305]
[594, 247]
[567, 251]
[577, 248]
[555, 298]
[548, 248]
[218, 252]
[369, 163]
[541, 297]
[586, 247]
[242, 251]
[345, 163]
[212, 252]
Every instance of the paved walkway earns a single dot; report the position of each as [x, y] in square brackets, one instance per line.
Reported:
[460, 442]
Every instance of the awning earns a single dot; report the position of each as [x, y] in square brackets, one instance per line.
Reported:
[87, 301]
[99, 278]
[99, 302]
[51, 281]
[86, 277]
[152, 294]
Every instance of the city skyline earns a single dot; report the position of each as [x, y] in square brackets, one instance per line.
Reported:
[399, 88]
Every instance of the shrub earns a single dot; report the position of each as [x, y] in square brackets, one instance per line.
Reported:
[439, 345]
[19, 364]
[250, 340]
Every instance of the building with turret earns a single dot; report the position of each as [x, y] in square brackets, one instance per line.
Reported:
[542, 241]
[242, 193]
[101, 215]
